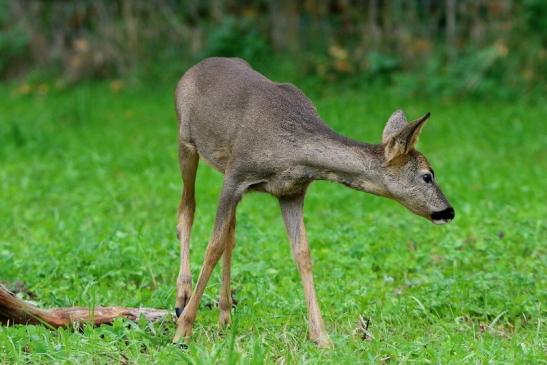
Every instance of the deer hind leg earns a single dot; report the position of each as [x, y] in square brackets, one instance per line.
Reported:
[225, 213]
[292, 210]
[189, 159]
[225, 302]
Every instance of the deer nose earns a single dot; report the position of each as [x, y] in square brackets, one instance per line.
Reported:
[447, 214]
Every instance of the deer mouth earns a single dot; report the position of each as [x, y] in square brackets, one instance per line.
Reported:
[443, 216]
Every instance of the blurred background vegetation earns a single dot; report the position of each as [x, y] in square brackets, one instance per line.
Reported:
[487, 48]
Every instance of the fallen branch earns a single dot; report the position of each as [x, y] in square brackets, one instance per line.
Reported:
[16, 311]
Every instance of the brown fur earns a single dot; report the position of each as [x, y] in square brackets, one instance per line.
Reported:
[265, 136]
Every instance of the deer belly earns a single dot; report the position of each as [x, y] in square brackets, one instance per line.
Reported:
[283, 187]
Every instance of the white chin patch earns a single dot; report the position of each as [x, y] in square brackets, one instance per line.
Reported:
[440, 221]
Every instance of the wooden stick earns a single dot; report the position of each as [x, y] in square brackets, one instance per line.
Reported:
[16, 311]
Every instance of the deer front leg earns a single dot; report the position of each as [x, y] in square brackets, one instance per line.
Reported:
[292, 210]
[225, 213]
[225, 302]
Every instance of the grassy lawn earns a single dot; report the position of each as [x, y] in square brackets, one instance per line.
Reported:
[89, 186]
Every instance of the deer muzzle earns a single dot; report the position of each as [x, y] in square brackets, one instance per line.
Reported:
[443, 216]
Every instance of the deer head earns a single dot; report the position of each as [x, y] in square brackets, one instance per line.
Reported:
[409, 178]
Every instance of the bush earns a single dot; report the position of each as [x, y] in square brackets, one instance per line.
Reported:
[14, 42]
[236, 38]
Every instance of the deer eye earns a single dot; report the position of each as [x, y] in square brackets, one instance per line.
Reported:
[428, 178]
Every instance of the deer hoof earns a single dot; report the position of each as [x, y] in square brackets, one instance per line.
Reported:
[184, 328]
[181, 345]
[224, 319]
[323, 342]
[178, 311]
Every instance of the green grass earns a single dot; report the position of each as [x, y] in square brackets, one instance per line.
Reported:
[89, 186]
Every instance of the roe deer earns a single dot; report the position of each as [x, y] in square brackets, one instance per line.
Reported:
[267, 136]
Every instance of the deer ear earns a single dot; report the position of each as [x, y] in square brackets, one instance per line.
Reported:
[396, 123]
[404, 139]
[415, 128]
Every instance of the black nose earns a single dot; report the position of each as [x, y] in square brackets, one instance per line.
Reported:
[446, 214]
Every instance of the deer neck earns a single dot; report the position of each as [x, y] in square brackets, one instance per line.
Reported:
[351, 163]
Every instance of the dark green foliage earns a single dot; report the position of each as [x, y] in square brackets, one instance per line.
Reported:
[479, 48]
[236, 38]
[14, 42]
[382, 65]
[535, 18]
